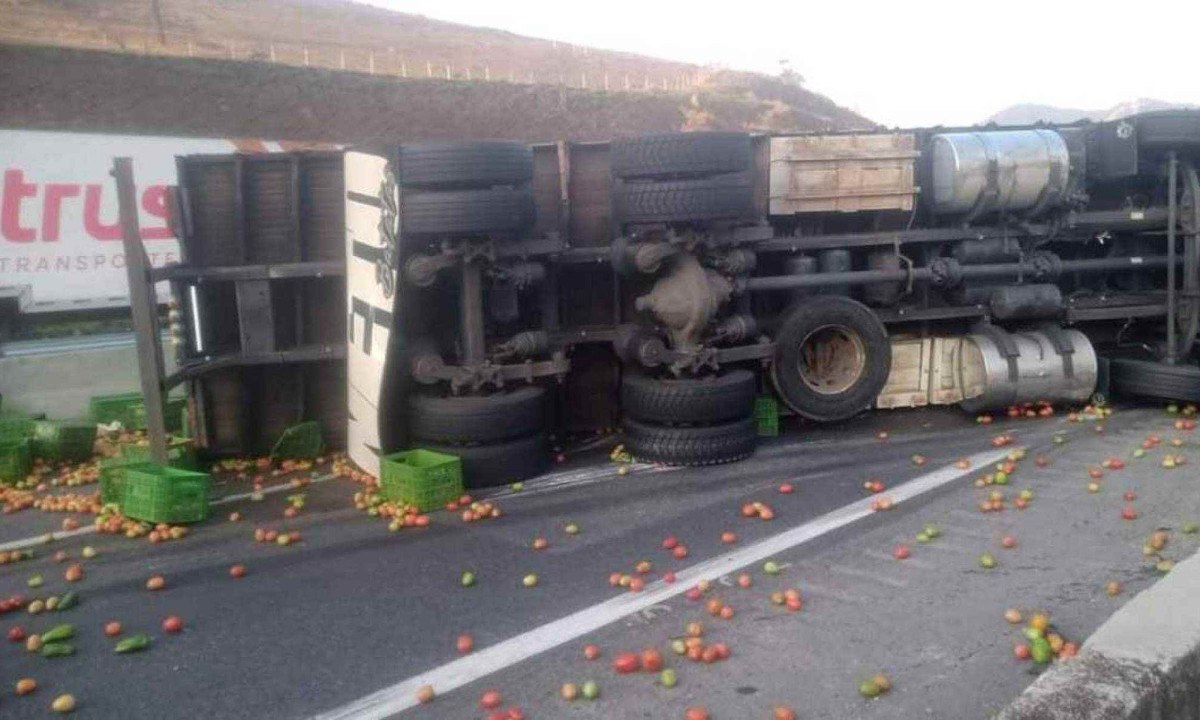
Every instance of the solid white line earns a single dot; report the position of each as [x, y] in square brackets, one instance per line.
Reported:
[89, 529]
[402, 695]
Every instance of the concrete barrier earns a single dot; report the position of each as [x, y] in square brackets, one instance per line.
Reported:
[1144, 663]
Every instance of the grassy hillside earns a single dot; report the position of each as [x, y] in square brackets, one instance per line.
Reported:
[331, 70]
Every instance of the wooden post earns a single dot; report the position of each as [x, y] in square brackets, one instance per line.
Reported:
[371, 62]
[143, 304]
[272, 52]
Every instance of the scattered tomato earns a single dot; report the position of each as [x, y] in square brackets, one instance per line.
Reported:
[156, 582]
[465, 643]
[591, 652]
[425, 694]
[901, 552]
[172, 624]
[652, 660]
[626, 663]
[490, 700]
[112, 628]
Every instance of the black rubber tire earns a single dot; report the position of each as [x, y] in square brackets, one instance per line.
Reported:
[480, 164]
[1147, 378]
[728, 396]
[810, 315]
[465, 212]
[721, 197]
[677, 155]
[478, 419]
[1169, 129]
[499, 463]
[699, 445]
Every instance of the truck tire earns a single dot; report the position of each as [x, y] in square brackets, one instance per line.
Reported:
[477, 419]
[722, 197]
[465, 212]
[728, 396]
[832, 357]
[1147, 378]
[482, 164]
[678, 155]
[1167, 129]
[500, 463]
[699, 445]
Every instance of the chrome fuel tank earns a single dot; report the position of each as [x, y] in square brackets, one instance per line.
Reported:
[1011, 170]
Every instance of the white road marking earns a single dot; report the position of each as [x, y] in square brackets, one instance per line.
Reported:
[49, 537]
[402, 695]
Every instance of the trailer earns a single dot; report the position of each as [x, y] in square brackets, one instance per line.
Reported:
[499, 293]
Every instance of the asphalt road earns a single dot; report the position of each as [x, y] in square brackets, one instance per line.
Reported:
[353, 609]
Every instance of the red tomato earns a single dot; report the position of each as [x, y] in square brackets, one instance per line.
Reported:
[490, 700]
[172, 624]
[652, 660]
[695, 713]
[465, 643]
[591, 652]
[626, 663]
[783, 712]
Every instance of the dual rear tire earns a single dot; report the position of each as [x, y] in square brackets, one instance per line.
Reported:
[693, 421]
[499, 438]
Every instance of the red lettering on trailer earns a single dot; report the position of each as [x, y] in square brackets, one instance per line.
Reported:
[154, 202]
[15, 191]
[52, 207]
[91, 217]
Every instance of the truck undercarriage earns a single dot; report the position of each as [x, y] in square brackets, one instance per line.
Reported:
[499, 293]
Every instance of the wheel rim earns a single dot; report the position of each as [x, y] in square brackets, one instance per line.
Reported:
[832, 359]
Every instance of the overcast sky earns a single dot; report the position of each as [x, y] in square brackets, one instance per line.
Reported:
[920, 62]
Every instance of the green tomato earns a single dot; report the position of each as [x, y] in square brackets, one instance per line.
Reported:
[771, 567]
[1040, 650]
[590, 690]
[468, 579]
[922, 537]
[667, 678]
[868, 689]
[987, 561]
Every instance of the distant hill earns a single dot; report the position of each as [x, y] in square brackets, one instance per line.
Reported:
[1031, 113]
[338, 44]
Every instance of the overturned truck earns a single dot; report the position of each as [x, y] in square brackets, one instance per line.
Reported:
[500, 293]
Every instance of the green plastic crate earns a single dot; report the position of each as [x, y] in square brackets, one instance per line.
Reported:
[14, 428]
[109, 408]
[158, 494]
[423, 478]
[112, 477]
[172, 415]
[66, 441]
[15, 460]
[766, 415]
[301, 441]
[180, 453]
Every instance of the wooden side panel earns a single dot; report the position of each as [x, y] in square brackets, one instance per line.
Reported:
[591, 206]
[842, 173]
[547, 190]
